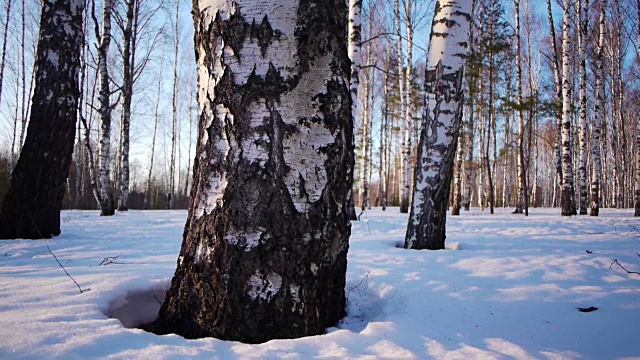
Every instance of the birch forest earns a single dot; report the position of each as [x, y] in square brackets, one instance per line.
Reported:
[550, 116]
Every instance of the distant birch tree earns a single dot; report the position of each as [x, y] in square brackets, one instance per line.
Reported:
[582, 23]
[598, 113]
[444, 76]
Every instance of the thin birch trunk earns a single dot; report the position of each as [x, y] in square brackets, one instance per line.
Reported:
[522, 203]
[23, 118]
[156, 114]
[567, 197]
[408, 118]
[107, 206]
[636, 193]
[128, 64]
[581, 7]
[403, 189]
[559, 94]
[174, 112]
[4, 47]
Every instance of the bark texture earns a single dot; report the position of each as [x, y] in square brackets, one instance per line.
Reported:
[444, 94]
[128, 64]
[567, 196]
[31, 208]
[107, 202]
[581, 9]
[265, 244]
[598, 114]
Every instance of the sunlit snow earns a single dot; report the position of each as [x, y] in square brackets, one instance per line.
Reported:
[507, 287]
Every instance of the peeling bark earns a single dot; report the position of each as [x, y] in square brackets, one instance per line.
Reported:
[265, 244]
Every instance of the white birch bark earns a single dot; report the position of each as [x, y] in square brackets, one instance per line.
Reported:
[128, 64]
[522, 205]
[408, 109]
[267, 231]
[366, 129]
[107, 206]
[404, 193]
[581, 7]
[567, 195]
[444, 95]
[355, 43]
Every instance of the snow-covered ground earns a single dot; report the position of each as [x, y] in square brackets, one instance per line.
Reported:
[507, 287]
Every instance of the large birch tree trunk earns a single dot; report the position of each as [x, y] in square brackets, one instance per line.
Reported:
[264, 253]
[567, 196]
[444, 76]
[31, 207]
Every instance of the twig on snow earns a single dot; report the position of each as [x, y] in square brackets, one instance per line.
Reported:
[56, 258]
[615, 261]
[110, 260]
[63, 269]
[364, 280]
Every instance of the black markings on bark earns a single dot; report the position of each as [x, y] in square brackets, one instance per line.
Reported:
[254, 268]
[31, 207]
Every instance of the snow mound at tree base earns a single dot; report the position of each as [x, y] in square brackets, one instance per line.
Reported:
[138, 306]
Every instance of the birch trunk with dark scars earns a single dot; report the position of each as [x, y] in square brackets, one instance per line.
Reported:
[128, 65]
[107, 202]
[31, 207]
[567, 195]
[583, 22]
[598, 114]
[264, 253]
[444, 76]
